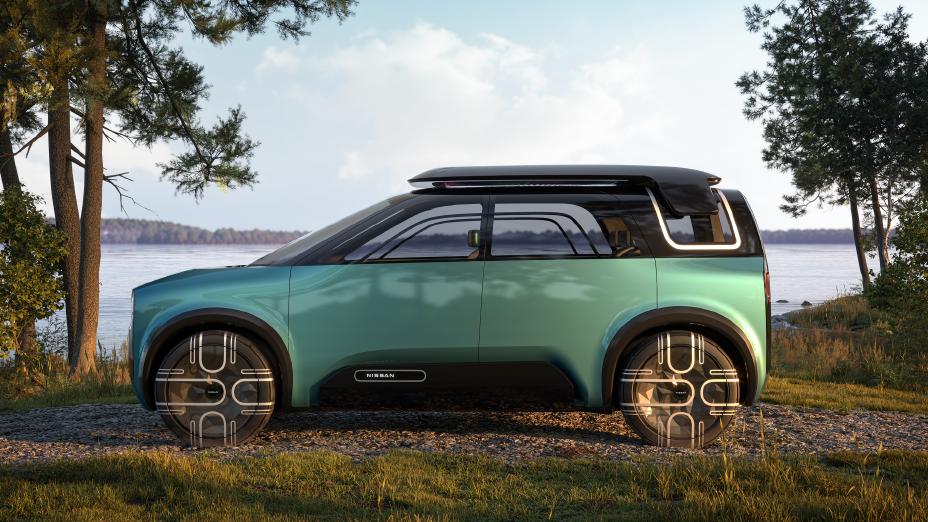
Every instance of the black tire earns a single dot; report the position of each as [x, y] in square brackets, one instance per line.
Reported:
[678, 389]
[215, 388]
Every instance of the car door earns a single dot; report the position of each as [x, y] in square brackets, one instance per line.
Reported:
[405, 291]
[561, 270]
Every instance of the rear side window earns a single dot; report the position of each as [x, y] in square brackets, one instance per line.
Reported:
[558, 230]
[708, 232]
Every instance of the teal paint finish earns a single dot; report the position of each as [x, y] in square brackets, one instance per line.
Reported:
[261, 291]
[563, 311]
[732, 287]
[381, 313]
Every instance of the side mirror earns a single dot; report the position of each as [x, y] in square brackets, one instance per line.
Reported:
[473, 238]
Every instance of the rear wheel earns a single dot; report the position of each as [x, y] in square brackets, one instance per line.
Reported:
[215, 388]
[678, 389]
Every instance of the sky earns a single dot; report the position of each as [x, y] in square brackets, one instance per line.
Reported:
[350, 113]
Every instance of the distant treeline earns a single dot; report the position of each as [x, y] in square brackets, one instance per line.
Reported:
[812, 235]
[145, 231]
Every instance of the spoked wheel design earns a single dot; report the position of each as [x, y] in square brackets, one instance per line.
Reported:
[679, 389]
[215, 388]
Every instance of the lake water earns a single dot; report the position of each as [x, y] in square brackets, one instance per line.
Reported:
[798, 272]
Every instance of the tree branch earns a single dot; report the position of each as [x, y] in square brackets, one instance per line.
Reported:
[106, 129]
[111, 179]
[28, 145]
[164, 84]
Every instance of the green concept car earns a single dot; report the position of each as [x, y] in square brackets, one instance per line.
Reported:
[633, 288]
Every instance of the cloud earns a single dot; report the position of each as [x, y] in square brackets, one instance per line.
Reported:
[275, 58]
[425, 97]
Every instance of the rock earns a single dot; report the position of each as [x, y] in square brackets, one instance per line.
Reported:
[806, 304]
[782, 301]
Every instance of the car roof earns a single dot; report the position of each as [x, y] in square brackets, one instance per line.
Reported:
[684, 191]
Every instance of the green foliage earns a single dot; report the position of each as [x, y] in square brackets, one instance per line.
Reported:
[421, 486]
[221, 157]
[30, 253]
[844, 99]
[158, 92]
[846, 340]
[901, 290]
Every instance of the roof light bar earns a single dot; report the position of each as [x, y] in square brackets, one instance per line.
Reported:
[515, 183]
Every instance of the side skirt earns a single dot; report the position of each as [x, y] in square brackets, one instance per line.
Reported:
[518, 385]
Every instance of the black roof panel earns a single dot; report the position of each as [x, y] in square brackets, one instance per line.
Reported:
[684, 191]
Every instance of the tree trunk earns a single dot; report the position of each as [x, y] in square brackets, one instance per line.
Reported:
[878, 227]
[858, 238]
[64, 200]
[89, 287]
[8, 171]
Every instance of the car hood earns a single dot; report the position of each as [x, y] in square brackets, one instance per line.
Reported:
[187, 274]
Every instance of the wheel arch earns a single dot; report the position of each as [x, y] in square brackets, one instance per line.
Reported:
[733, 340]
[241, 322]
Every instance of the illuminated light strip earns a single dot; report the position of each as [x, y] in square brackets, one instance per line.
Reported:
[240, 403]
[217, 370]
[259, 371]
[702, 394]
[692, 354]
[217, 403]
[725, 246]
[660, 349]
[658, 404]
[225, 433]
[692, 427]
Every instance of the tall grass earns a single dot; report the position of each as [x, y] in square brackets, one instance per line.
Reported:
[420, 486]
[844, 341]
[43, 381]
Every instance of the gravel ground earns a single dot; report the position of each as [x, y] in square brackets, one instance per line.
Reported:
[94, 429]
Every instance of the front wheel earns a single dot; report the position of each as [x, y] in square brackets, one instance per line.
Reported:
[215, 388]
[678, 389]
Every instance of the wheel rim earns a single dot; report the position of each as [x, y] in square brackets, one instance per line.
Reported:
[215, 389]
[681, 389]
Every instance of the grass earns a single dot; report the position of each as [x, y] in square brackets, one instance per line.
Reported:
[842, 356]
[842, 396]
[419, 486]
[48, 385]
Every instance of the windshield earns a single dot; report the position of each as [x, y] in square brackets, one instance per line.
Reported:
[296, 248]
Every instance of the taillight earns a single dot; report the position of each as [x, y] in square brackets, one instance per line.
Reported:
[766, 282]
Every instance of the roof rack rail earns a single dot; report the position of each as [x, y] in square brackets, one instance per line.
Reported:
[684, 191]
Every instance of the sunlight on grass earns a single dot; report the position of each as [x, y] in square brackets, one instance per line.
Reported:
[410, 485]
[841, 396]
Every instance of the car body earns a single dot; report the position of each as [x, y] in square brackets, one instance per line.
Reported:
[508, 282]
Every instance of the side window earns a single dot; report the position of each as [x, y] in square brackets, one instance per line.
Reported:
[530, 237]
[709, 230]
[441, 239]
[556, 229]
[435, 233]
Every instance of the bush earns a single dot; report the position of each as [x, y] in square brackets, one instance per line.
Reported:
[901, 290]
[30, 253]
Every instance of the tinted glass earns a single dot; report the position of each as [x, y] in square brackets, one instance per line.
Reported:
[529, 237]
[579, 224]
[446, 239]
[389, 241]
[701, 229]
[296, 248]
